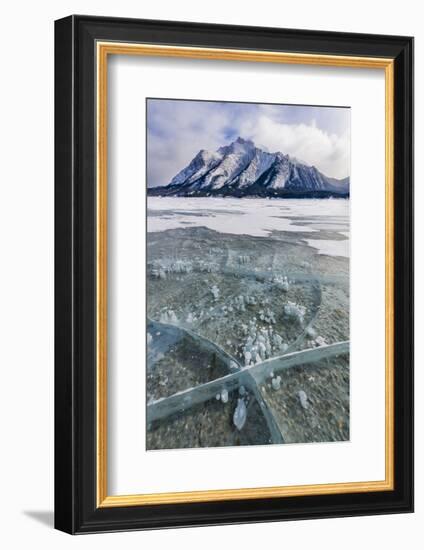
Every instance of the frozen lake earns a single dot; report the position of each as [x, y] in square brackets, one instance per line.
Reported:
[236, 284]
[258, 217]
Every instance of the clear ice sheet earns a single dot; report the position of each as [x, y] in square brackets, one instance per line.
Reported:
[251, 306]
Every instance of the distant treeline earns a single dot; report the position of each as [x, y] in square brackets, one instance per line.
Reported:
[171, 191]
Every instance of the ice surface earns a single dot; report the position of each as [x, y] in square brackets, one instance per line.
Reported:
[256, 217]
[161, 408]
[239, 305]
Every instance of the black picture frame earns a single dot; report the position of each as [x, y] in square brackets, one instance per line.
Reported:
[76, 509]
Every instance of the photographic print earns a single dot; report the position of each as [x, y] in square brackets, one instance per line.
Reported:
[247, 273]
[213, 278]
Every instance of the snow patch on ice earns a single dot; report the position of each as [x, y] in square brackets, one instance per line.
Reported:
[330, 248]
[256, 217]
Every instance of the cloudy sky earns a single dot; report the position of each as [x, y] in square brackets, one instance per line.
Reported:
[177, 130]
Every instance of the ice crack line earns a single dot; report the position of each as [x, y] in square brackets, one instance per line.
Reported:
[186, 399]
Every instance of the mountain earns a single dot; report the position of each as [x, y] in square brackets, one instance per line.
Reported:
[241, 169]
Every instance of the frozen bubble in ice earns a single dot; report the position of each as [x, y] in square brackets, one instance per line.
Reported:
[277, 340]
[320, 341]
[172, 317]
[310, 333]
[215, 292]
[276, 383]
[224, 396]
[294, 312]
[281, 283]
[168, 316]
[303, 398]
[233, 365]
[240, 414]
[262, 350]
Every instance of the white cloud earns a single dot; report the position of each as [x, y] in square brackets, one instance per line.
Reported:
[328, 152]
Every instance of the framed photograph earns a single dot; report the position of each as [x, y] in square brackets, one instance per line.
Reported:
[234, 288]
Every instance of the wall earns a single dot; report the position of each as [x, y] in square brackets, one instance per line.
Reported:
[26, 290]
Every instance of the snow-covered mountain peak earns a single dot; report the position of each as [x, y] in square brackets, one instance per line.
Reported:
[206, 155]
[242, 169]
[239, 146]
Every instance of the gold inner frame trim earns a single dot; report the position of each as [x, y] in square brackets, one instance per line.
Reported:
[103, 50]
